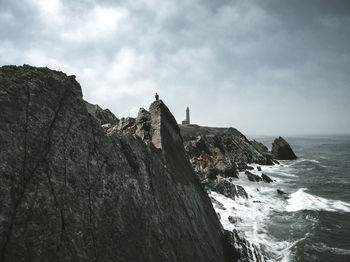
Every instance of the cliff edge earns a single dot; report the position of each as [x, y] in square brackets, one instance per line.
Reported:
[71, 190]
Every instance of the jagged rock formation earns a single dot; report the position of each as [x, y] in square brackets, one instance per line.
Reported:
[281, 150]
[71, 190]
[104, 116]
[220, 152]
[228, 189]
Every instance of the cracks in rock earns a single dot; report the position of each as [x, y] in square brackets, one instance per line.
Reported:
[27, 175]
[90, 185]
[129, 155]
[29, 214]
[23, 182]
[59, 207]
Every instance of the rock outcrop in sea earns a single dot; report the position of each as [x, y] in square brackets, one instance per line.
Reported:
[281, 150]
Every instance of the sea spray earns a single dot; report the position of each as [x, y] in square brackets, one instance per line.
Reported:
[252, 214]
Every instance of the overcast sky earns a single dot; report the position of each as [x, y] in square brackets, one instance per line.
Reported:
[264, 67]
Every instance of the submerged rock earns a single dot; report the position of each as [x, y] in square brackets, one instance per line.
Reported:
[234, 220]
[281, 150]
[266, 178]
[282, 193]
[71, 192]
[252, 177]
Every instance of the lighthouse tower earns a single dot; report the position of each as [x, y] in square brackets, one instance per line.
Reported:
[187, 121]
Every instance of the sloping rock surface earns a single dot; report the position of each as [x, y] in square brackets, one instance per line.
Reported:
[281, 150]
[73, 191]
[260, 147]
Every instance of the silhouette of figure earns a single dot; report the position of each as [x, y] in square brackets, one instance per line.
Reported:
[157, 97]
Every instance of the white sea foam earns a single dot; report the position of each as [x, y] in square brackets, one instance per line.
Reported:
[252, 214]
[307, 160]
[300, 200]
[314, 161]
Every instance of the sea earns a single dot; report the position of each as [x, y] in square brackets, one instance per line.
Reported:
[313, 222]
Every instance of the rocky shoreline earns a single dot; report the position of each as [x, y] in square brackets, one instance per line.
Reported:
[77, 183]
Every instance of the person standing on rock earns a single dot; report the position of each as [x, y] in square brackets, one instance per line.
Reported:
[157, 97]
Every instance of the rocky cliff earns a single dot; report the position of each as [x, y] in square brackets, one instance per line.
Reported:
[221, 152]
[71, 190]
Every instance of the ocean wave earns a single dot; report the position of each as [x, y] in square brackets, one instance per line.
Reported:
[313, 161]
[300, 200]
[251, 216]
[299, 160]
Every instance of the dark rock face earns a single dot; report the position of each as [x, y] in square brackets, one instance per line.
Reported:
[252, 177]
[224, 150]
[228, 189]
[71, 190]
[281, 150]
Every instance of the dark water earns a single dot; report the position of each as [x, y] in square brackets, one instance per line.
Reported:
[317, 216]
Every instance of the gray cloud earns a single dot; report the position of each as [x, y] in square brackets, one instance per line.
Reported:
[267, 67]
